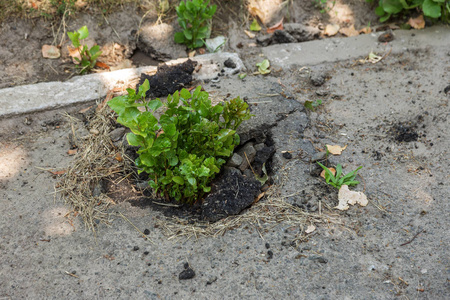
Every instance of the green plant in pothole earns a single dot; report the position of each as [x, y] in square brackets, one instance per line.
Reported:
[434, 9]
[194, 18]
[337, 180]
[312, 105]
[183, 150]
[88, 57]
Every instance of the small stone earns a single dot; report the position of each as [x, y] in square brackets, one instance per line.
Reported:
[267, 246]
[146, 232]
[186, 274]
[318, 79]
[287, 155]
[135, 248]
[386, 37]
[259, 147]
[318, 156]
[229, 63]
[247, 153]
[235, 160]
[283, 37]
[248, 173]
[117, 134]
[211, 280]
[264, 40]
[269, 254]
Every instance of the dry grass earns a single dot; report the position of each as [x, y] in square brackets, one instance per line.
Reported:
[97, 160]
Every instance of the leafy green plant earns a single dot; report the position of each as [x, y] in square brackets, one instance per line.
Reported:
[186, 147]
[339, 179]
[88, 56]
[193, 17]
[431, 8]
[312, 105]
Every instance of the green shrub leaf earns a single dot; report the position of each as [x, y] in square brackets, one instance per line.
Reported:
[431, 9]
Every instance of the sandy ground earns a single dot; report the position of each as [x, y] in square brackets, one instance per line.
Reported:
[395, 248]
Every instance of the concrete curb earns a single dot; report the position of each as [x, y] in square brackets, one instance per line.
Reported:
[338, 49]
[48, 95]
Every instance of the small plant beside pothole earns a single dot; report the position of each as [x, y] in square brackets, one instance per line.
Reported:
[88, 57]
[194, 18]
[183, 150]
[338, 180]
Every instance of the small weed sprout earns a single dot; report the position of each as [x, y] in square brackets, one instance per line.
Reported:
[339, 179]
[88, 56]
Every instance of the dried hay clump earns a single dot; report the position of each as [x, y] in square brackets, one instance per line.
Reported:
[96, 161]
[271, 210]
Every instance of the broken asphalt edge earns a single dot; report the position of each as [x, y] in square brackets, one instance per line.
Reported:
[81, 89]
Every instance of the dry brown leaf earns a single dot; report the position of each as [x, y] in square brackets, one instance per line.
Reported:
[58, 172]
[264, 9]
[249, 34]
[72, 151]
[277, 26]
[365, 30]
[349, 31]
[49, 51]
[347, 197]
[74, 52]
[331, 29]
[336, 149]
[310, 228]
[417, 23]
[101, 65]
[192, 54]
[322, 174]
[118, 157]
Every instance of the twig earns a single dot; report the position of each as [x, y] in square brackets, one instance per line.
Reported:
[412, 238]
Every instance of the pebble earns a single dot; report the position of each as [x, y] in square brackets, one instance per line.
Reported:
[235, 160]
[318, 156]
[211, 280]
[117, 134]
[186, 274]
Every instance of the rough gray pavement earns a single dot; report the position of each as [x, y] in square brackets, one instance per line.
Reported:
[395, 248]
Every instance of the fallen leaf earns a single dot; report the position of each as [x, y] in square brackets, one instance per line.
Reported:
[277, 26]
[72, 151]
[373, 58]
[335, 149]
[74, 53]
[118, 157]
[310, 228]
[101, 65]
[265, 10]
[417, 23]
[331, 29]
[201, 51]
[58, 172]
[349, 31]
[333, 170]
[249, 34]
[34, 5]
[347, 197]
[49, 51]
[366, 30]
[192, 54]
[255, 26]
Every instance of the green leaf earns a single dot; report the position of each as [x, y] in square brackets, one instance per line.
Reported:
[134, 140]
[143, 88]
[242, 75]
[263, 67]
[255, 26]
[178, 179]
[185, 94]
[385, 18]
[84, 32]
[217, 109]
[154, 104]
[392, 6]
[379, 11]
[179, 38]
[431, 9]
[338, 171]
[187, 34]
[74, 37]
